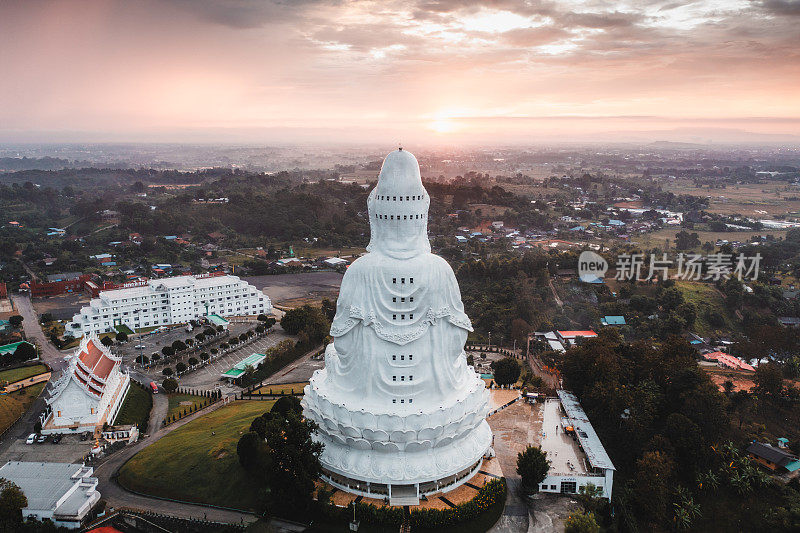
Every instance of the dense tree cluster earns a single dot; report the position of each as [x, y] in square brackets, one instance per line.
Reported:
[309, 323]
[497, 291]
[665, 426]
[279, 453]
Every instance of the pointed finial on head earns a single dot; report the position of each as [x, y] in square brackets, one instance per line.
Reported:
[400, 146]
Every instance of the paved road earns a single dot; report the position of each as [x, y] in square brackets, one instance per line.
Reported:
[33, 331]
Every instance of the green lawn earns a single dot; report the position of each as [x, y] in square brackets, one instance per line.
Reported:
[14, 404]
[16, 374]
[705, 298]
[191, 464]
[179, 402]
[135, 408]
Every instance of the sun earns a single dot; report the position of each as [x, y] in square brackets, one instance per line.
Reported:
[443, 125]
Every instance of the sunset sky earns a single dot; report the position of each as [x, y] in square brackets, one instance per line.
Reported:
[421, 70]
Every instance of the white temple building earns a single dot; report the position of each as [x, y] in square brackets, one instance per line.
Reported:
[400, 412]
[89, 393]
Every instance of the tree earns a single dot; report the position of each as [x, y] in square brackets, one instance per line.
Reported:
[287, 404]
[24, 352]
[106, 341]
[142, 359]
[204, 356]
[307, 319]
[329, 309]
[590, 496]
[46, 318]
[581, 522]
[12, 502]
[532, 466]
[181, 367]
[168, 351]
[769, 379]
[506, 371]
[15, 320]
[471, 360]
[253, 452]
[167, 371]
[193, 361]
[178, 346]
[728, 386]
[652, 483]
[686, 241]
[122, 336]
[519, 331]
[291, 458]
[170, 385]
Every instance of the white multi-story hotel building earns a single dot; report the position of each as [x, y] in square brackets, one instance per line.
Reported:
[175, 300]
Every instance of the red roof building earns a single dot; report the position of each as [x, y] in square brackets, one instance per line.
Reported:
[89, 392]
[728, 361]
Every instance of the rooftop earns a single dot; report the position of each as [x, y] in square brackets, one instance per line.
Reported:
[241, 367]
[570, 334]
[595, 452]
[44, 484]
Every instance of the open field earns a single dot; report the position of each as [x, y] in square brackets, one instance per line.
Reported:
[16, 374]
[750, 199]
[740, 380]
[135, 408]
[198, 462]
[62, 307]
[179, 402]
[658, 238]
[14, 404]
[313, 286]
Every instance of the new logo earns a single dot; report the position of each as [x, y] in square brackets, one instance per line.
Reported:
[591, 267]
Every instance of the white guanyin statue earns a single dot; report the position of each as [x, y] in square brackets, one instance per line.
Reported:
[399, 411]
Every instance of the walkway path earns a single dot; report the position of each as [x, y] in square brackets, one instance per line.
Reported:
[33, 331]
[513, 428]
[555, 294]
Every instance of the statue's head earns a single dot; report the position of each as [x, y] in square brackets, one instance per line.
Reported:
[398, 208]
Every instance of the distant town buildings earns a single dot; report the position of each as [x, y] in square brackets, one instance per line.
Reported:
[172, 300]
[89, 392]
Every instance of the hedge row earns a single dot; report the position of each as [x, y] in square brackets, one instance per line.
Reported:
[491, 494]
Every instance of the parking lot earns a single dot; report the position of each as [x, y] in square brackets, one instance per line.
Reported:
[154, 341]
[71, 449]
[209, 376]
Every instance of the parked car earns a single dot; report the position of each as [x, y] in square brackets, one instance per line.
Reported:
[31, 438]
[41, 438]
[57, 438]
[140, 346]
